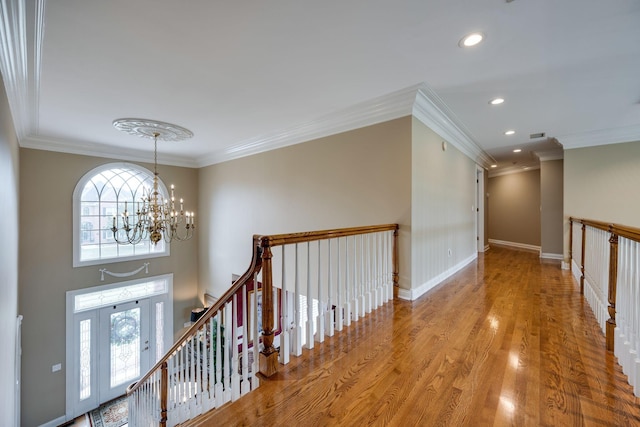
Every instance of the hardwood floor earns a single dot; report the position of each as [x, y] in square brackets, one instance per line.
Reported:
[506, 341]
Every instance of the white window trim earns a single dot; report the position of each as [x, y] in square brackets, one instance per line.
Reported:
[77, 193]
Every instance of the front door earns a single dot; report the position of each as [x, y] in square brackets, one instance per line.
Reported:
[124, 348]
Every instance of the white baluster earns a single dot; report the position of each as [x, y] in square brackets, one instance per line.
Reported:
[354, 286]
[297, 328]
[235, 376]
[285, 318]
[347, 285]
[321, 306]
[254, 381]
[330, 312]
[198, 373]
[229, 342]
[215, 364]
[368, 275]
[310, 319]
[375, 284]
[246, 337]
[360, 282]
[192, 377]
[339, 310]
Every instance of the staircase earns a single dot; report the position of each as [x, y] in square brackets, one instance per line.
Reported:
[298, 289]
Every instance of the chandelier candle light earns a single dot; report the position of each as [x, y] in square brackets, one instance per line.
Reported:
[155, 218]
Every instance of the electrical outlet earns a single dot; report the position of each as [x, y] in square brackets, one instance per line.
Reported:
[56, 367]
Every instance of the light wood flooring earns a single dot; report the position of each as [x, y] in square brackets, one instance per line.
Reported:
[506, 341]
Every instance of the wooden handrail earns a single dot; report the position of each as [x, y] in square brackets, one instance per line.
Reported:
[310, 236]
[256, 264]
[625, 231]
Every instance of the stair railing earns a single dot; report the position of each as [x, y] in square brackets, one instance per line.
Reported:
[204, 369]
[339, 276]
[608, 269]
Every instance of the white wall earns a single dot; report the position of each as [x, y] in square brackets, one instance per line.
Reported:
[360, 177]
[443, 210]
[8, 259]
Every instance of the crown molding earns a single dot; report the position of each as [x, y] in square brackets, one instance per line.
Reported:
[37, 67]
[511, 171]
[381, 109]
[545, 156]
[600, 137]
[104, 151]
[431, 110]
[13, 61]
[21, 36]
[418, 100]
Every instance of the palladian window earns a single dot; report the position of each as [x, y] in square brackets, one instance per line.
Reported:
[99, 199]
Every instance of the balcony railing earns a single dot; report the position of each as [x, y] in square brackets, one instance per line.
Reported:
[324, 280]
[605, 259]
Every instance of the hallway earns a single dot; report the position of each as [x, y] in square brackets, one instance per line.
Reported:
[506, 341]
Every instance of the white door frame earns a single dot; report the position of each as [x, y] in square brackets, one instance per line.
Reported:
[161, 295]
[480, 203]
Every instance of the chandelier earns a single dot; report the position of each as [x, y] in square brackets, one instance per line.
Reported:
[153, 217]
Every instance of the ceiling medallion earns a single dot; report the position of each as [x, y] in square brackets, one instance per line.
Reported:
[151, 129]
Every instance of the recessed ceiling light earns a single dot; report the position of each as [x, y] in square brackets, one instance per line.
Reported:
[517, 150]
[510, 132]
[494, 166]
[471, 40]
[496, 101]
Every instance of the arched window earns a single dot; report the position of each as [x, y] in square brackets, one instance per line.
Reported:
[98, 197]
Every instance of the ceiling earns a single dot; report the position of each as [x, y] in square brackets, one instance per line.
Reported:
[248, 76]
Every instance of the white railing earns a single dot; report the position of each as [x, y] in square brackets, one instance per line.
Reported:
[627, 331]
[611, 266]
[324, 285]
[211, 367]
[324, 281]
[596, 273]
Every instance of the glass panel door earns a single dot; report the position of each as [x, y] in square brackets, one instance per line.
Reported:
[125, 353]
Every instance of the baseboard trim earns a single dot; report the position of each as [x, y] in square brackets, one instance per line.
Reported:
[55, 423]
[547, 255]
[515, 245]
[413, 294]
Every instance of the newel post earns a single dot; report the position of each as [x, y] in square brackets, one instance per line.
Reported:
[269, 355]
[584, 239]
[613, 287]
[164, 388]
